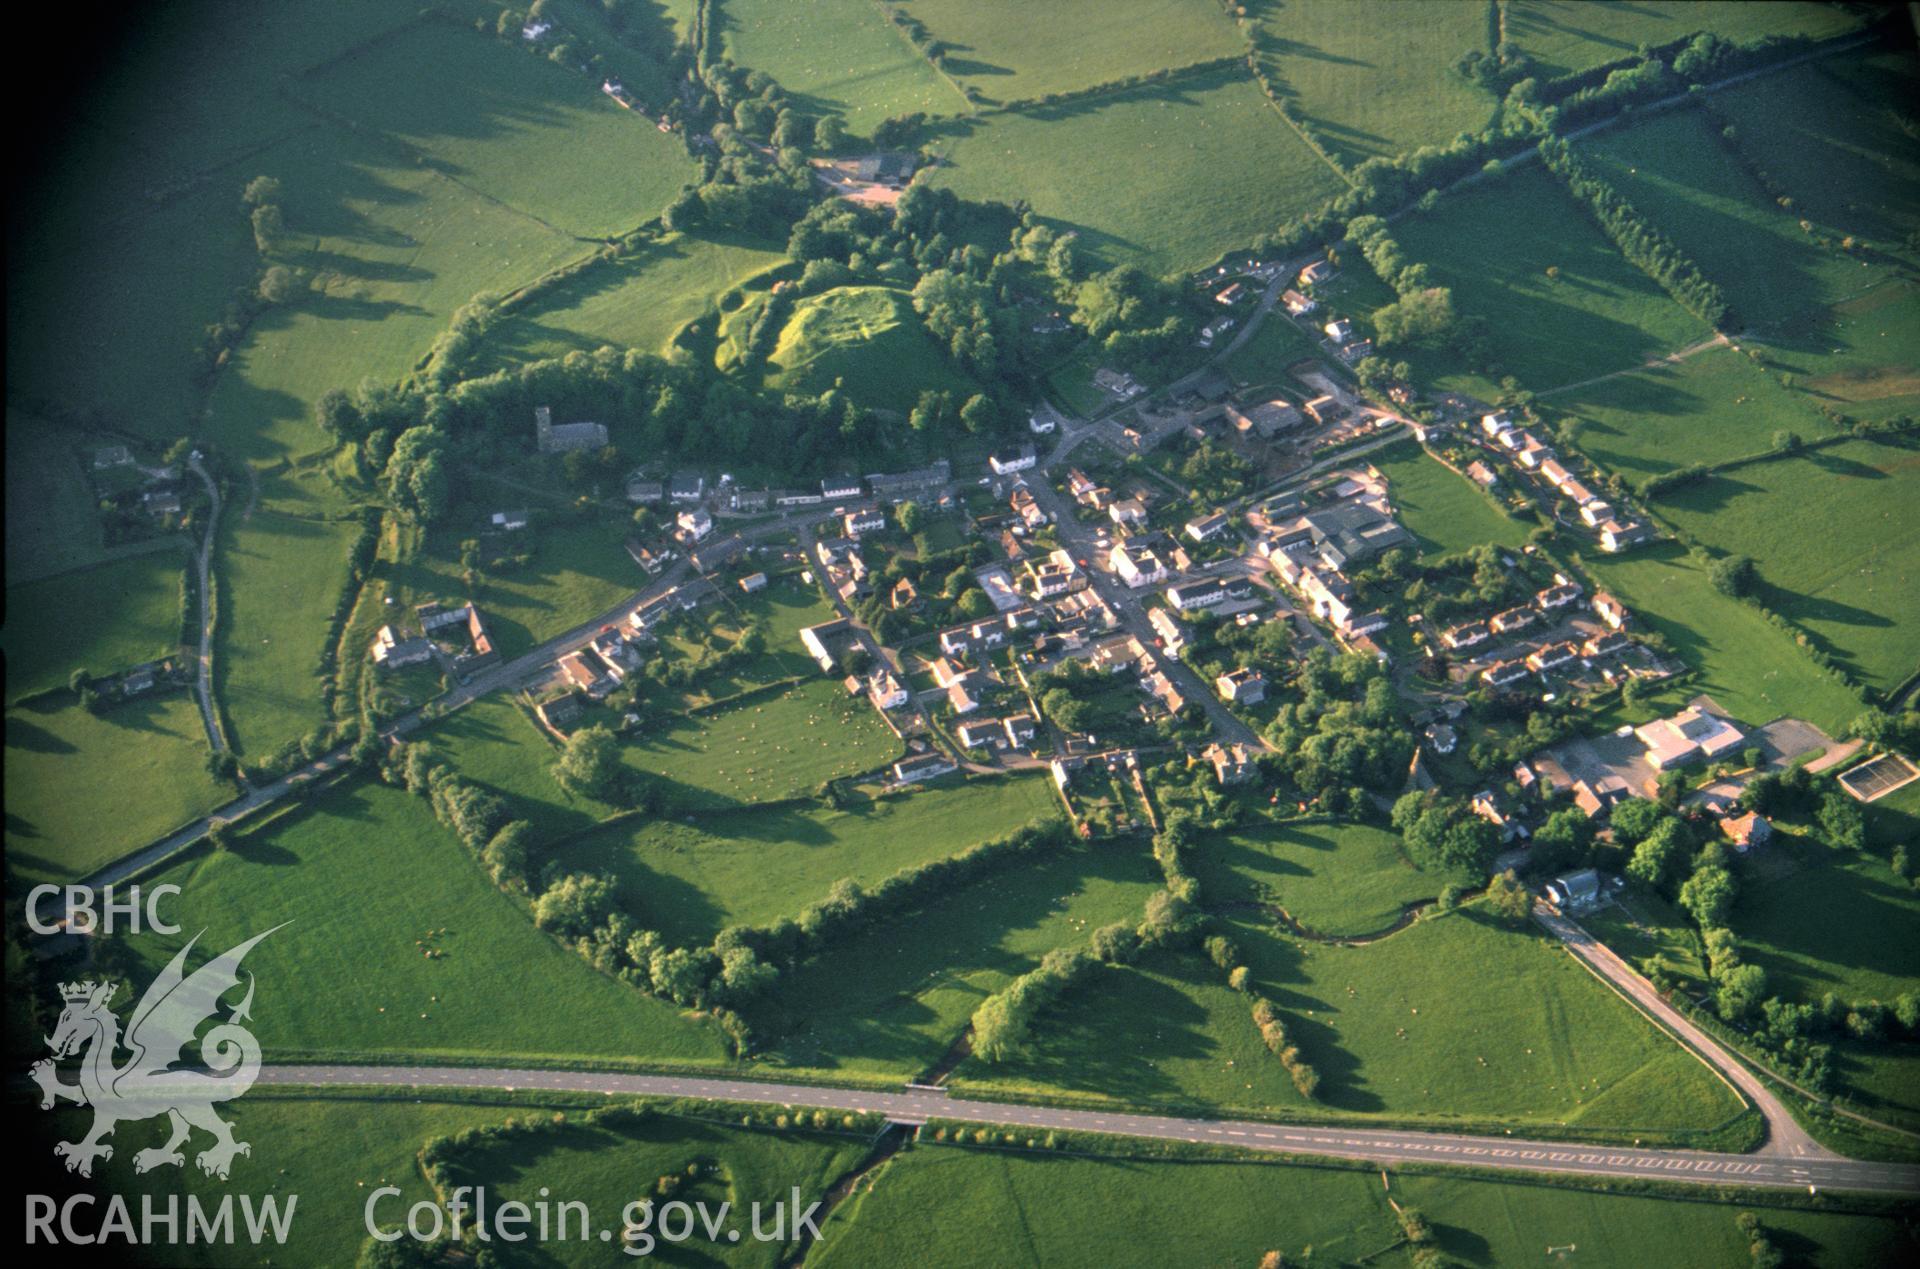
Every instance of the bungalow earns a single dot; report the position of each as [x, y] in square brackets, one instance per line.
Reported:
[1596, 513]
[946, 672]
[855, 523]
[1128, 513]
[1173, 635]
[161, 502]
[1021, 729]
[1501, 673]
[1598, 797]
[1557, 596]
[903, 595]
[1616, 537]
[1011, 461]
[1512, 619]
[561, 711]
[1469, 635]
[1119, 654]
[1577, 493]
[962, 700]
[1532, 454]
[1207, 527]
[1318, 271]
[1441, 738]
[1481, 474]
[508, 521]
[1244, 686]
[687, 486]
[920, 767]
[1554, 473]
[1747, 831]
[697, 522]
[1040, 424]
[1298, 305]
[1188, 596]
[1230, 293]
[644, 489]
[1339, 330]
[986, 733]
[1552, 655]
[981, 636]
[1607, 644]
[112, 456]
[834, 487]
[1164, 690]
[756, 582]
[1611, 610]
[1232, 764]
[1496, 423]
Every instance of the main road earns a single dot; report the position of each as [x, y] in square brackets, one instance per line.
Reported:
[1382, 1146]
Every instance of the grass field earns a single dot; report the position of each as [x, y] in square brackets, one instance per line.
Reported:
[1446, 511]
[1006, 50]
[1837, 545]
[754, 866]
[60, 759]
[837, 57]
[1753, 669]
[511, 126]
[1677, 172]
[319, 1155]
[1820, 921]
[1340, 879]
[1838, 135]
[579, 570]
[364, 874]
[765, 748]
[870, 341]
[636, 302]
[1707, 409]
[1391, 1029]
[1375, 78]
[52, 522]
[610, 1167]
[891, 999]
[1856, 356]
[1493, 244]
[1021, 1208]
[277, 575]
[1262, 361]
[105, 618]
[1165, 177]
[1565, 36]
[495, 742]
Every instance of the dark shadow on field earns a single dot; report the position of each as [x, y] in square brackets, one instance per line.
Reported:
[321, 260]
[1280, 46]
[1463, 1243]
[1275, 959]
[656, 900]
[31, 737]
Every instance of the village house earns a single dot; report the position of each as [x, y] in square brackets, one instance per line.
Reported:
[1616, 536]
[1230, 293]
[1469, 635]
[1232, 764]
[926, 766]
[1556, 596]
[1128, 513]
[507, 521]
[1533, 454]
[1165, 690]
[1008, 462]
[1577, 493]
[1318, 271]
[753, 582]
[1188, 596]
[834, 488]
[1495, 423]
[586, 673]
[392, 651]
[1298, 305]
[1487, 807]
[1554, 473]
[552, 438]
[1208, 527]
[1242, 686]
[903, 595]
[856, 523]
[827, 642]
[1339, 330]
[1024, 506]
[562, 711]
[1358, 625]
[696, 523]
[961, 698]
[1554, 654]
[1597, 798]
[885, 691]
[686, 486]
[1596, 513]
[751, 501]
[786, 499]
[1502, 673]
[898, 486]
[715, 556]
[1481, 474]
[1040, 424]
[1576, 892]
[1441, 738]
[1325, 409]
[1747, 831]
[1137, 565]
[1021, 730]
[1606, 644]
[645, 489]
[1512, 619]
[1173, 635]
[985, 733]
[1611, 610]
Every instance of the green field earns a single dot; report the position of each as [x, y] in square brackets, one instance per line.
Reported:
[1022, 1208]
[1493, 244]
[610, 1165]
[1678, 173]
[1446, 511]
[495, 742]
[83, 790]
[756, 865]
[1823, 921]
[1168, 177]
[1007, 50]
[1752, 668]
[765, 748]
[53, 523]
[1391, 1028]
[1857, 355]
[1838, 135]
[1338, 879]
[367, 877]
[103, 619]
[891, 999]
[868, 340]
[1374, 78]
[1565, 36]
[638, 301]
[276, 575]
[510, 125]
[1837, 544]
[1263, 360]
[1709, 408]
[836, 57]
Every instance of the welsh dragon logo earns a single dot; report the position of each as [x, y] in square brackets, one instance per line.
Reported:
[148, 1084]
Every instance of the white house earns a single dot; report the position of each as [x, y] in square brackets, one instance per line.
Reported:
[1006, 464]
[697, 522]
